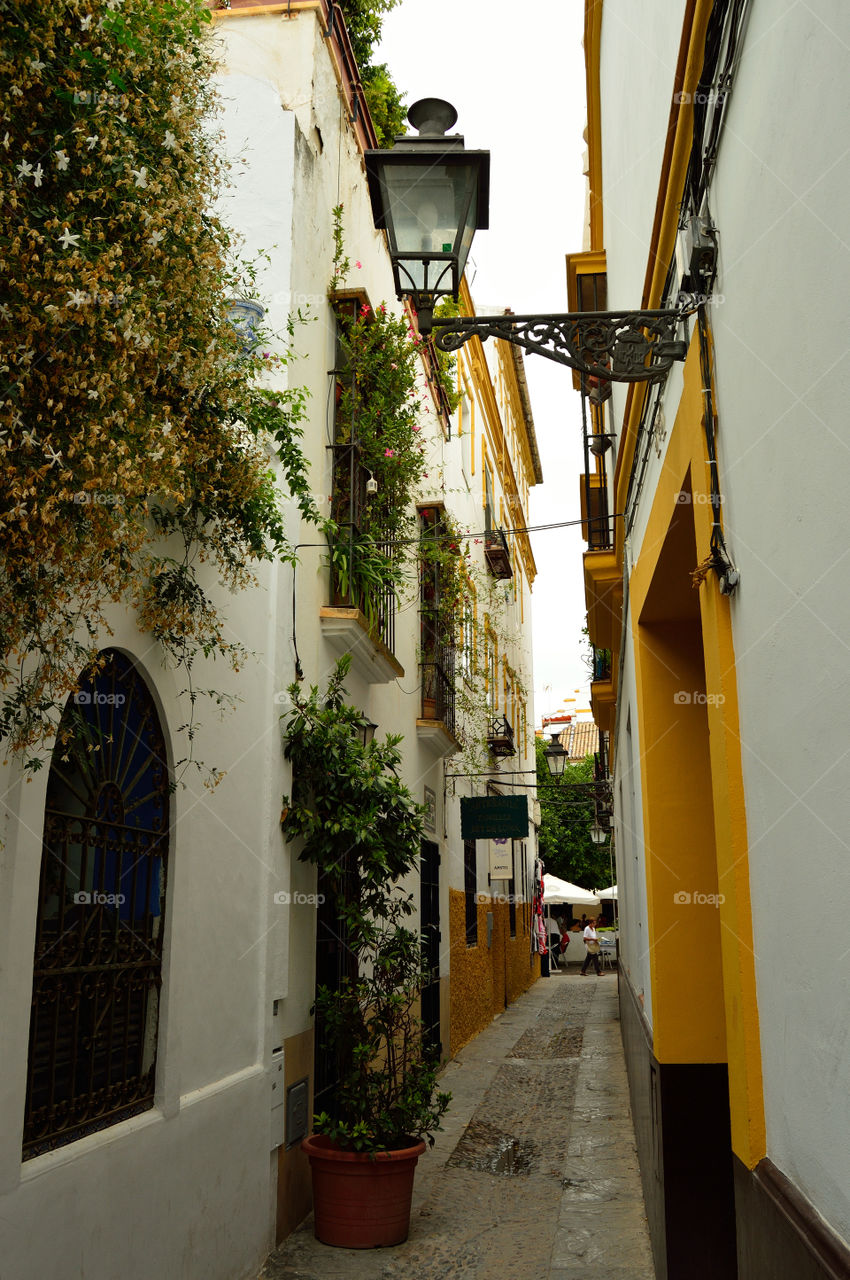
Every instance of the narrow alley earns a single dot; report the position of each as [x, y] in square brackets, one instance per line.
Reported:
[540, 1105]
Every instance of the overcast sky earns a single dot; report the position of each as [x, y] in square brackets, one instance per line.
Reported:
[515, 74]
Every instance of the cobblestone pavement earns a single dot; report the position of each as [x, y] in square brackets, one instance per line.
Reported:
[535, 1173]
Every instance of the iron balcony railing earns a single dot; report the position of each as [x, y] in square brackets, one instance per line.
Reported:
[497, 554]
[500, 737]
[349, 510]
[601, 664]
[438, 687]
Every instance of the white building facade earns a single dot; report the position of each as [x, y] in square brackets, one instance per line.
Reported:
[711, 175]
[191, 1166]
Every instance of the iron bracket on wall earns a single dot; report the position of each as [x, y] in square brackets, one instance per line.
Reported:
[615, 346]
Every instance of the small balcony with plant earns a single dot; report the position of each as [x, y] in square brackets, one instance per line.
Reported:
[603, 692]
[441, 593]
[376, 463]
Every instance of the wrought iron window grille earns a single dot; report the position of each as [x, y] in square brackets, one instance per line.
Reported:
[99, 932]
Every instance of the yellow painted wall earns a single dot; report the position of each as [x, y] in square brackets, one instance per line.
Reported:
[484, 979]
[688, 764]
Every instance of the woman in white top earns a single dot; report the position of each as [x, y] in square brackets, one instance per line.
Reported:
[591, 942]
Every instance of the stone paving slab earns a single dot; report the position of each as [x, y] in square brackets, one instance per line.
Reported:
[535, 1172]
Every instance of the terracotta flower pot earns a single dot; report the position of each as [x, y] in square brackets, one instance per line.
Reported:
[361, 1201]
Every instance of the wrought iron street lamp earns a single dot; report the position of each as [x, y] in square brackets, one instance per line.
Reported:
[365, 731]
[430, 195]
[555, 755]
[598, 834]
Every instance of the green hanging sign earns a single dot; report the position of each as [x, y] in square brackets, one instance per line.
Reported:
[494, 817]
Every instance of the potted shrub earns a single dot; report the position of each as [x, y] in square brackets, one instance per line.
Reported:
[362, 829]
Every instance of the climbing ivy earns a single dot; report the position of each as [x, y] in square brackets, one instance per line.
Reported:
[130, 408]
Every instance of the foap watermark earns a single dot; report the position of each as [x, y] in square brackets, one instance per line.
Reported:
[297, 899]
[98, 498]
[97, 98]
[286, 298]
[703, 97]
[702, 299]
[696, 899]
[85, 899]
[283, 700]
[686, 499]
[84, 698]
[684, 698]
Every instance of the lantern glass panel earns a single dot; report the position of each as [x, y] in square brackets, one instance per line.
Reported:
[430, 210]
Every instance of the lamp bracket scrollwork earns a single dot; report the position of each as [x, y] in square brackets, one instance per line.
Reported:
[617, 346]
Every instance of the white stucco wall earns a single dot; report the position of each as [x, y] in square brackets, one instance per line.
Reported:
[187, 1188]
[637, 64]
[783, 379]
[197, 1165]
[780, 199]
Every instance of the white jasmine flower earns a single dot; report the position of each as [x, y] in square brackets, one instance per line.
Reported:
[170, 141]
[24, 169]
[67, 240]
[155, 237]
[62, 161]
[85, 23]
[36, 65]
[78, 298]
[38, 174]
[92, 141]
[141, 176]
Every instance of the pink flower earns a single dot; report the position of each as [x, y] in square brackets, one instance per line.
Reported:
[364, 310]
[414, 427]
[393, 366]
[389, 453]
[358, 265]
[383, 311]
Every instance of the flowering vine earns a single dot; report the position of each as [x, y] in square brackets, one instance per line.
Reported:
[130, 409]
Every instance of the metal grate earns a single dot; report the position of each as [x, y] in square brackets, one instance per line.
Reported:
[98, 949]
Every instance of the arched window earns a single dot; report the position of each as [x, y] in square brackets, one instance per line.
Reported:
[98, 946]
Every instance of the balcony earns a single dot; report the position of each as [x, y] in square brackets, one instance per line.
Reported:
[603, 589]
[603, 690]
[497, 555]
[436, 726]
[362, 623]
[500, 737]
[595, 521]
[601, 664]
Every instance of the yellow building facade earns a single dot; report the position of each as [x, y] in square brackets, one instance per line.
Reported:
[733, 1186]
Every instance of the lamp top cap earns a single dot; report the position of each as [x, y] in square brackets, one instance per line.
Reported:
[432, 116]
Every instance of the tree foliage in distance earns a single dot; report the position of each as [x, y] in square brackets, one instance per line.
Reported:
[566, 816]
[363, 20]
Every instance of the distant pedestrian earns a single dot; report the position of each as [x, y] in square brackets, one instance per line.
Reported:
[591, 942]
